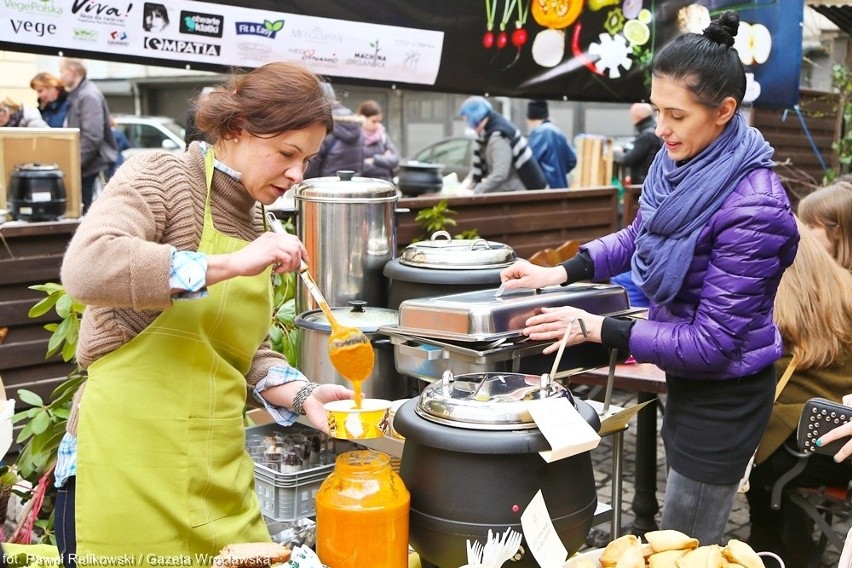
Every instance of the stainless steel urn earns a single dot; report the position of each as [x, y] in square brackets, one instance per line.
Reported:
[348, 225]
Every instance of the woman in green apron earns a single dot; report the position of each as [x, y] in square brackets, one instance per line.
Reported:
[174, 263]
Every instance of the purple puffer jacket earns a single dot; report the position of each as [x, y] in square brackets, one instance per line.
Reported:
[719, 326]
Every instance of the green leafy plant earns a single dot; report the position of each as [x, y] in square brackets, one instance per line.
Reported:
[841, 81]
[439, 217]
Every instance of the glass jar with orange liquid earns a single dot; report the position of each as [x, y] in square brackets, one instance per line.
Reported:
[362, 513]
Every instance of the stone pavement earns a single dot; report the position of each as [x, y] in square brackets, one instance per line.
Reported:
[738, 524]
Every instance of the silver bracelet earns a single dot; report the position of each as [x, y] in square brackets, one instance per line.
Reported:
[302, 396]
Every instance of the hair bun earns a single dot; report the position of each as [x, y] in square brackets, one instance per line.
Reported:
[724, 28]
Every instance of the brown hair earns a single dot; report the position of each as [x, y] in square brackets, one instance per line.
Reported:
[813, 306]
[266, 101]
[831, 207]
[369, 108]
[45, 79]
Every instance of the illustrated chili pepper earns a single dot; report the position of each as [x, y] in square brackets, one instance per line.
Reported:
[575, 49]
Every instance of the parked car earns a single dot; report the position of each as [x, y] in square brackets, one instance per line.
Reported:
[147, 133]
[454, 153]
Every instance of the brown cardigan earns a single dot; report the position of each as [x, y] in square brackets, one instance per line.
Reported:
[119, 259]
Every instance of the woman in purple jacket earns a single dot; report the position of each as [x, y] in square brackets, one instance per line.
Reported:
[713, 235]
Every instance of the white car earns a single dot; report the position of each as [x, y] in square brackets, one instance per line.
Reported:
[147, 133]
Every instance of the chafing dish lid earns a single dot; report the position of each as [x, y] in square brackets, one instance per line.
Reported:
[486, 401]
[444, 252]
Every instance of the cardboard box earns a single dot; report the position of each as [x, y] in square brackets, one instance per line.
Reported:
[60, 146]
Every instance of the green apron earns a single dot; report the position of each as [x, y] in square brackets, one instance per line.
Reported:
[162, 467]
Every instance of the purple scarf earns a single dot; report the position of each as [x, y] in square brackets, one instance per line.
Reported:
[677, 201]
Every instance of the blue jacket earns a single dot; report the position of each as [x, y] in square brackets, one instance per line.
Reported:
[54, 112]
[719, 326]
[553, 152]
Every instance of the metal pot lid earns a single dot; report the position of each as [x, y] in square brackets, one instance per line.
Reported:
[367, 319]
[345, 188]
[36, 167]
[444, 252]
[486, 401]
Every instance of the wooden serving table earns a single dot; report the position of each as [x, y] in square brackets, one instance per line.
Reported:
[648, 381]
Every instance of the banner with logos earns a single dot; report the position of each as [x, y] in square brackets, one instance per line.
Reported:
[582, 50]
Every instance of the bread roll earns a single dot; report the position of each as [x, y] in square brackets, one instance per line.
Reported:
[669, 539]
[739, 552]
[665, 559]
[614, 550]
[252, 555]
[709, 556]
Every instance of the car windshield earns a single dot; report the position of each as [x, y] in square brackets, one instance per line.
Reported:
[176, 128]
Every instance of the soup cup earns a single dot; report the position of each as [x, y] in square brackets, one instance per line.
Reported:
[346, 422]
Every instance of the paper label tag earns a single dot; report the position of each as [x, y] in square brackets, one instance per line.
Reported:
[563, 427]
[540, 534]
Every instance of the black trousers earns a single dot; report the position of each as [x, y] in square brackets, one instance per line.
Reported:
[63, 523]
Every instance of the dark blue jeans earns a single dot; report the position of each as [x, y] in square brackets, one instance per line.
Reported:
[63, 522]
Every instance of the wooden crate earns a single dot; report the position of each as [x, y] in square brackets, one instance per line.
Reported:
[60, 146]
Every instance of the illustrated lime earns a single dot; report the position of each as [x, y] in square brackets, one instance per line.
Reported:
[636, 32]
[645, 16]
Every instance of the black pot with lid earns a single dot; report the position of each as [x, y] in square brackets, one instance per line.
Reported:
[444, 265]
[36, 192]
[471, 464]
[418, 178]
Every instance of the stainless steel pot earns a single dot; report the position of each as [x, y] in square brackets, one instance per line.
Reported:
[384, 382]
[348, 225]
[443, 265]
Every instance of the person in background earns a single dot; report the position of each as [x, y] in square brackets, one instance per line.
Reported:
[342, 148]
[176, 329]
[827, 212]
[645, 147]
[53, 102]
[713, 235]
[549, 145]
[121, 144]
[813, 310]
[502, 159]
[15, 114]
[89, 112]
[380, 155]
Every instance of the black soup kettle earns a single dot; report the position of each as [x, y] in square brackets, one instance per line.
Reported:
[36, 192]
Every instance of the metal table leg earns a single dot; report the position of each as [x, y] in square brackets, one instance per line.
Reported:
[645, 504]
[615, 501]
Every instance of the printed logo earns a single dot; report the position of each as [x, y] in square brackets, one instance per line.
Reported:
[118, 38]
[155, 17]
[94, 12]
[41, 8]
[311, 57]
[267, 29]
[84, 34]
[38, 28]
[196, 23]
[180, 46]
[251, 51]
[316, 35]
[369, 59]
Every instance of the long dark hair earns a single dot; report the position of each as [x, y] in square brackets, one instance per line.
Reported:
[707, 62]
[266, 101]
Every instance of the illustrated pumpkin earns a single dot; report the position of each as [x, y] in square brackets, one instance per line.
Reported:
[556, 14]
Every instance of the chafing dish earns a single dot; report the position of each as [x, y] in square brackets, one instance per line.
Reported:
[474, 332]
[479, 316]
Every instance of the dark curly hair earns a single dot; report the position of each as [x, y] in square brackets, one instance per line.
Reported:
[707, 62]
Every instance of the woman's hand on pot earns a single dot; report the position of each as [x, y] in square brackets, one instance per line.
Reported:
[313, 405]
[551, 323]
[524, 274]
